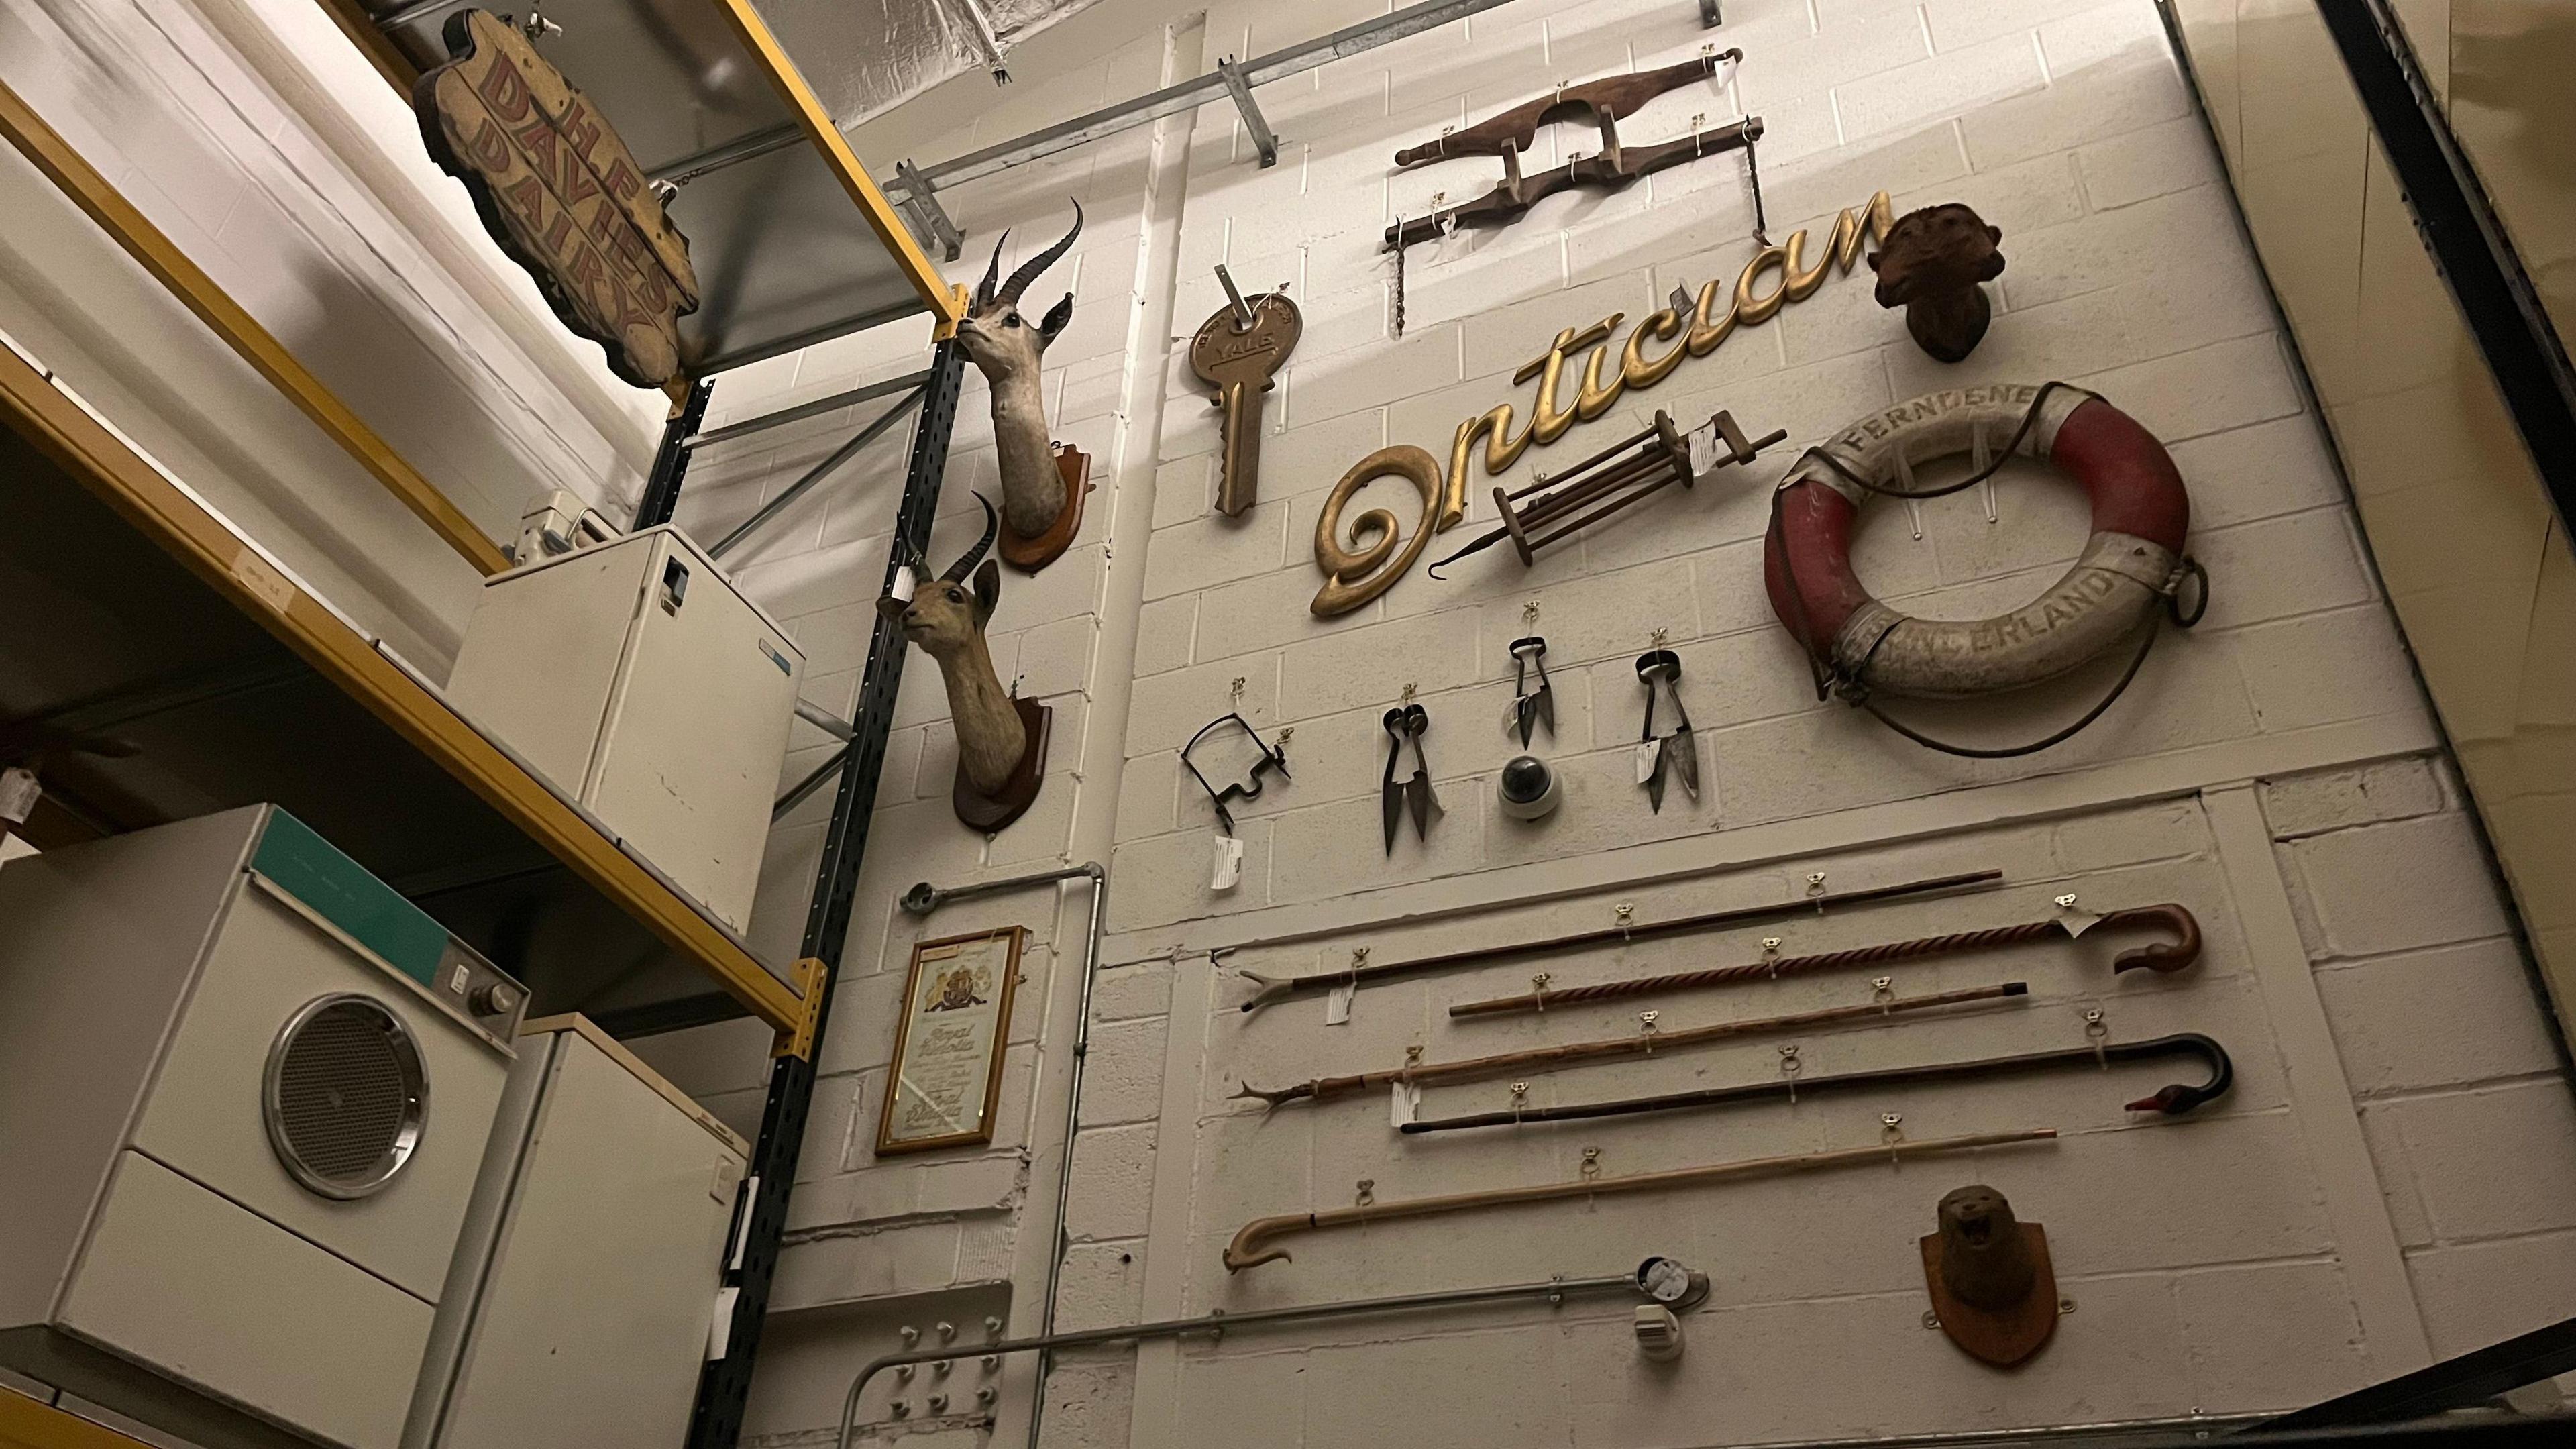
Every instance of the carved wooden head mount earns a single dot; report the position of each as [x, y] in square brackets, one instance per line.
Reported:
[1930, 265]
[1984, 1260]
[1993, 1289]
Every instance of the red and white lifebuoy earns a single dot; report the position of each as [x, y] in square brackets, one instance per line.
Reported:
[2130, 566]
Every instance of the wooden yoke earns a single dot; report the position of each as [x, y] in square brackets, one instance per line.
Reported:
[1609, 99]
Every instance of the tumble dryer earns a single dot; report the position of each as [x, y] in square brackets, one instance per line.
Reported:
[578, 1308]
[245, 1088]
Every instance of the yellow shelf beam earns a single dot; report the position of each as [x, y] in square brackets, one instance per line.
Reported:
[189, 283]
[947, 304]
[166, 514]
[27, 1424]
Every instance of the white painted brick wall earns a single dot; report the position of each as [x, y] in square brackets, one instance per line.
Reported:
[2204, 1255]
[2439, 1023]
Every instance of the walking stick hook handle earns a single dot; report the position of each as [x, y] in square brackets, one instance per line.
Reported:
[2162, 957]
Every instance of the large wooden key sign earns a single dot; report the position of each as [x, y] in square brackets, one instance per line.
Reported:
[561, 194]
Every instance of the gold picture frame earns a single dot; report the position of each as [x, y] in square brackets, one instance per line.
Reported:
[950, 1039]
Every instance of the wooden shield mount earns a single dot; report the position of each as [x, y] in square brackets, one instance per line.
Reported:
[1994, 1291]
[561, 194]
[990, 813]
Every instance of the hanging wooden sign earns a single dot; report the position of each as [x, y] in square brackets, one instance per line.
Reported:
[946, 1079]
[561, 194]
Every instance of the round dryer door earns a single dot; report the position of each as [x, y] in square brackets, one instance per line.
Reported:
[345, 1096]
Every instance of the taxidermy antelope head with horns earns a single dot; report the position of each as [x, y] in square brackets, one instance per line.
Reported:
[948, 623]
[1007, 349]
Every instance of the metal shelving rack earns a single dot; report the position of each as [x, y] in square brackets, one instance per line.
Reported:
[371, 695]
[726, 1385]
[772, 214]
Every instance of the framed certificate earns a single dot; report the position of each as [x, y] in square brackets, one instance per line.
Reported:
[947, 1074]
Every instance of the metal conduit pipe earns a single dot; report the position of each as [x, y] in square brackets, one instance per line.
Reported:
[1217, 1321]
[921, 900]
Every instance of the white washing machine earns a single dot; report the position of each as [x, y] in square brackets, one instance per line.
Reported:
[245, 1088]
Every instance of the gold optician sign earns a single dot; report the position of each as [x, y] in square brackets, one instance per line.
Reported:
[1776, 276]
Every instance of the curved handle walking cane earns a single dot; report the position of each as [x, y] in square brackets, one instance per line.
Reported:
[2162, 957]
[2172, 1101]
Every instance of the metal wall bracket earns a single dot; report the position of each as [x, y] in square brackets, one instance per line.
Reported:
[1233, 79]
[1239, 86]
[923, 216]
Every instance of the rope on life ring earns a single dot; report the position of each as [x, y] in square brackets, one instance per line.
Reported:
[2132, 564]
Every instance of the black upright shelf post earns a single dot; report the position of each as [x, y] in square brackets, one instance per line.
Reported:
[671, 462]
[726, 1384]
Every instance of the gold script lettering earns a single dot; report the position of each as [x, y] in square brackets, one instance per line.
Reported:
[1634, 369]
[1753, 311]
[1700, 333]
[1546, 423]
[1370, 564]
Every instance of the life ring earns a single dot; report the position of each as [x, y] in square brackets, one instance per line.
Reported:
[2132, 564]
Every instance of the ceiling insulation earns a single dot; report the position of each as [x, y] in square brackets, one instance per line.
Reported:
[864, 57]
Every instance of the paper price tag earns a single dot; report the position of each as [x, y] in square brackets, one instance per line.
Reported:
[1703, 449]
[1405, 1103]
[18, 795]
[1337, 1003]
[1646, 754]
[1227, 870]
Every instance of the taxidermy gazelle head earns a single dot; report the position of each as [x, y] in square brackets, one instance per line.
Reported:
[1007, 348]
[947, 621]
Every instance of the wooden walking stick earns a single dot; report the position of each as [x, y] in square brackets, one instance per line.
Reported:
[2163, 956]
[1645, 1043]
[1279, 988]
[1251, 1244]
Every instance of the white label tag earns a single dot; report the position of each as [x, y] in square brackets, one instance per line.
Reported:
[460, 978]
[1703, 450]
[1405, 1103]
[720, 1327]
[1646, 759]
[1227, 870]
[263, 582]
[1337, 1003]
[2077, 922]
[903, 586]
[18, 795]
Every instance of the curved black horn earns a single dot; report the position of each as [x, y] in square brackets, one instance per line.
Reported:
[992, 269]
[1029, 269]
[966, 561]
